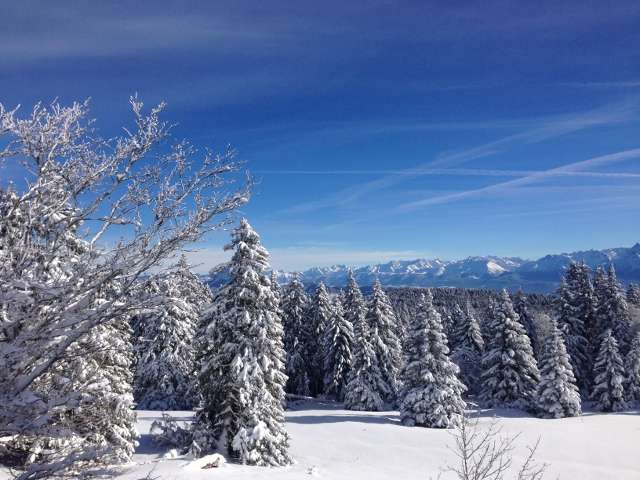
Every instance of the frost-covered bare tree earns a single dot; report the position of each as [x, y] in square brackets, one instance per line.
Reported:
[66, 283]
[487, 454]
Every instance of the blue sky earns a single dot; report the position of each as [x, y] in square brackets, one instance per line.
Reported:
[376, 130]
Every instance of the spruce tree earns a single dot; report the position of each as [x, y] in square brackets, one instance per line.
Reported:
[576, 312]
[165, 377]
[320, 314]
[632, 370]
[242, 373]
[380, 320]
[612, 311]
[458, 318]
[621, 319]
[633, 294]
[608, 389]
[557, 394]
[526, 319]
[337, 344]
[353, 303]
[431, 395]
[510, 373]
[469, 349]
[365, 385]
[294, 307]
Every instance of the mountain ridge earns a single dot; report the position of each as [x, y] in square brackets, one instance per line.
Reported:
[494, 272]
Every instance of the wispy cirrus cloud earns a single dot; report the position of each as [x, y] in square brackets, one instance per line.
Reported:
[599, 161]
[550, 128]
[460, 172]
[604, 85]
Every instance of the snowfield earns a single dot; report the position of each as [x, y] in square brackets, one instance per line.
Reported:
[331, 443]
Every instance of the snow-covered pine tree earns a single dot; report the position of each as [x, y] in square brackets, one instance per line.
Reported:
[510, 373]
[612, 311]
[337, 344]
[619, 312]
[457, 320]
[557, 394]
[275, 288]
[633, 294]
[431, 395]
[632, 370]
[190, 285]
[526, 319]
[242, 378]
[294, 307]
[165, 370]
[319, 315]
[365, 385]
[608, 387]
[469, 349]
[575, 320]
[380, 320]
[353, 303]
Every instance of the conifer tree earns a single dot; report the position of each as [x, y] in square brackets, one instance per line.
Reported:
[242, 375]
[320, 314]
[337, 344]
[632, 370]
[608, 389]
[469, 349]
[458, 318]
[380, 320]
[612, 311]
[557, 394]
[633, 294]
[431, 395]
[165, 370]
[294, 307]
[365, 385]
[520, 307]
[510, 373]
[576, 311]
[353, 303]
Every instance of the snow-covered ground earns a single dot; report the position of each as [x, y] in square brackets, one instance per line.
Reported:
[331, 443]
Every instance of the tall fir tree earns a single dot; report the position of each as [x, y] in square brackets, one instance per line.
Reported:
[458, 318]
[365, 385]
[296, 332]
[431, 395]
[608, 389]
[353, 303]
[320, 312]
[557, 394]
[632, 370]
[526, 319]
[337, 344]
[469, 349]
[242, 375]
[510, 373]
[380, 320]
[633, 294]
[165, 375]
[612, 311]
[576, 321]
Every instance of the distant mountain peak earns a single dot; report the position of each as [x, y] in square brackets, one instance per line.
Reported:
[541, 275]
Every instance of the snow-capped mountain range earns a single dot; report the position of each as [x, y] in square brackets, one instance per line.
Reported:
[542, 275]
